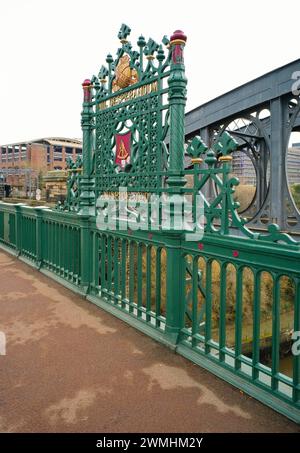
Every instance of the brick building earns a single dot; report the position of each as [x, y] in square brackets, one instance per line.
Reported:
[22, 163]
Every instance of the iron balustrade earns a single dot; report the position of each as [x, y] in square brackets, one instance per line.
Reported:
[229, 303]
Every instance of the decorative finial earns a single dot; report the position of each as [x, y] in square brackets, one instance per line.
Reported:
[87, 85]
[141, 41]
[103, 73]
[123, 33]
[178, 37]
[177, 43]
[150, 48]
[225, 146]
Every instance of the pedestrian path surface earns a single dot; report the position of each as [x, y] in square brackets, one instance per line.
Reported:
[71, 367]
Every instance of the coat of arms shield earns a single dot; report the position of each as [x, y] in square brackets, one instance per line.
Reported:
[123, 149]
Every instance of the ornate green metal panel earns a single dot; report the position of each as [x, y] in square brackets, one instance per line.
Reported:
[129, 100]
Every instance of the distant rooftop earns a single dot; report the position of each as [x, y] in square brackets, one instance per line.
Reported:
[57, 141]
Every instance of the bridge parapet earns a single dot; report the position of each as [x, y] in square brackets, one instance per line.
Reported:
[230, 303]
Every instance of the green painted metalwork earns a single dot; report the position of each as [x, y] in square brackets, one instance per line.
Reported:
[187, 294]
[72, 202]
[140, 108]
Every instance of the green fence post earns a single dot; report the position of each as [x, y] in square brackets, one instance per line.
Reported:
[87, 195]
[85, 250]
[18, 227]
[177, 99]
[38, 238]
[174, 298]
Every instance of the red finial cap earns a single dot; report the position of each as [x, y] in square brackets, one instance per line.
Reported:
[178, 34]
[86, 83]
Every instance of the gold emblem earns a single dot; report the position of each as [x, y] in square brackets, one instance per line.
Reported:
[125, 76]
[122, 151]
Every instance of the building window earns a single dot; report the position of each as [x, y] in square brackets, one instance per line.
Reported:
[69, 150]
[16, 152]
[23, 152]
[3, 154]
[57, 155]
[48, 154]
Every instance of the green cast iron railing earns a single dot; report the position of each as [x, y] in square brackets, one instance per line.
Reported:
[61, 249]
[248, 336]
[229, 300]
[7, 226]
[228, 303]
[127, 273]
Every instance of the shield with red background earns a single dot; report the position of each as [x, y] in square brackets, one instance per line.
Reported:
[123, 148]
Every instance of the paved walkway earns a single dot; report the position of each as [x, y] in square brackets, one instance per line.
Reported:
[72, 367]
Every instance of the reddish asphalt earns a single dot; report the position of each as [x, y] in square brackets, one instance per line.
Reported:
[72, 367]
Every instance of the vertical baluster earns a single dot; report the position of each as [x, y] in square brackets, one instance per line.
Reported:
[63, 249]
[56, 241]
[29, 249]
[97, 256]
[195, 324]
[116, 270]
[131, 276]
[53, 249]
[68, 245]
[148, 282]
[45, 240]
[222, 322]
[59, 236]
[139, 279]
[74, 253]
[66, 250]
[49, 228]
[296, 358]
[33, 236]
[123, 273]
[71, 247]
[48, 239]
[238, 317]
[24, 235]
[256, 324]
[27, 237]
[94, 254]
[103, 264]
[78, 260]
[208, 306]
[109, 265]
[275, 332]
[158, 286]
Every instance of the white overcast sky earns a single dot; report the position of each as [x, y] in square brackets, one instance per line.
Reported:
[49, 46]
